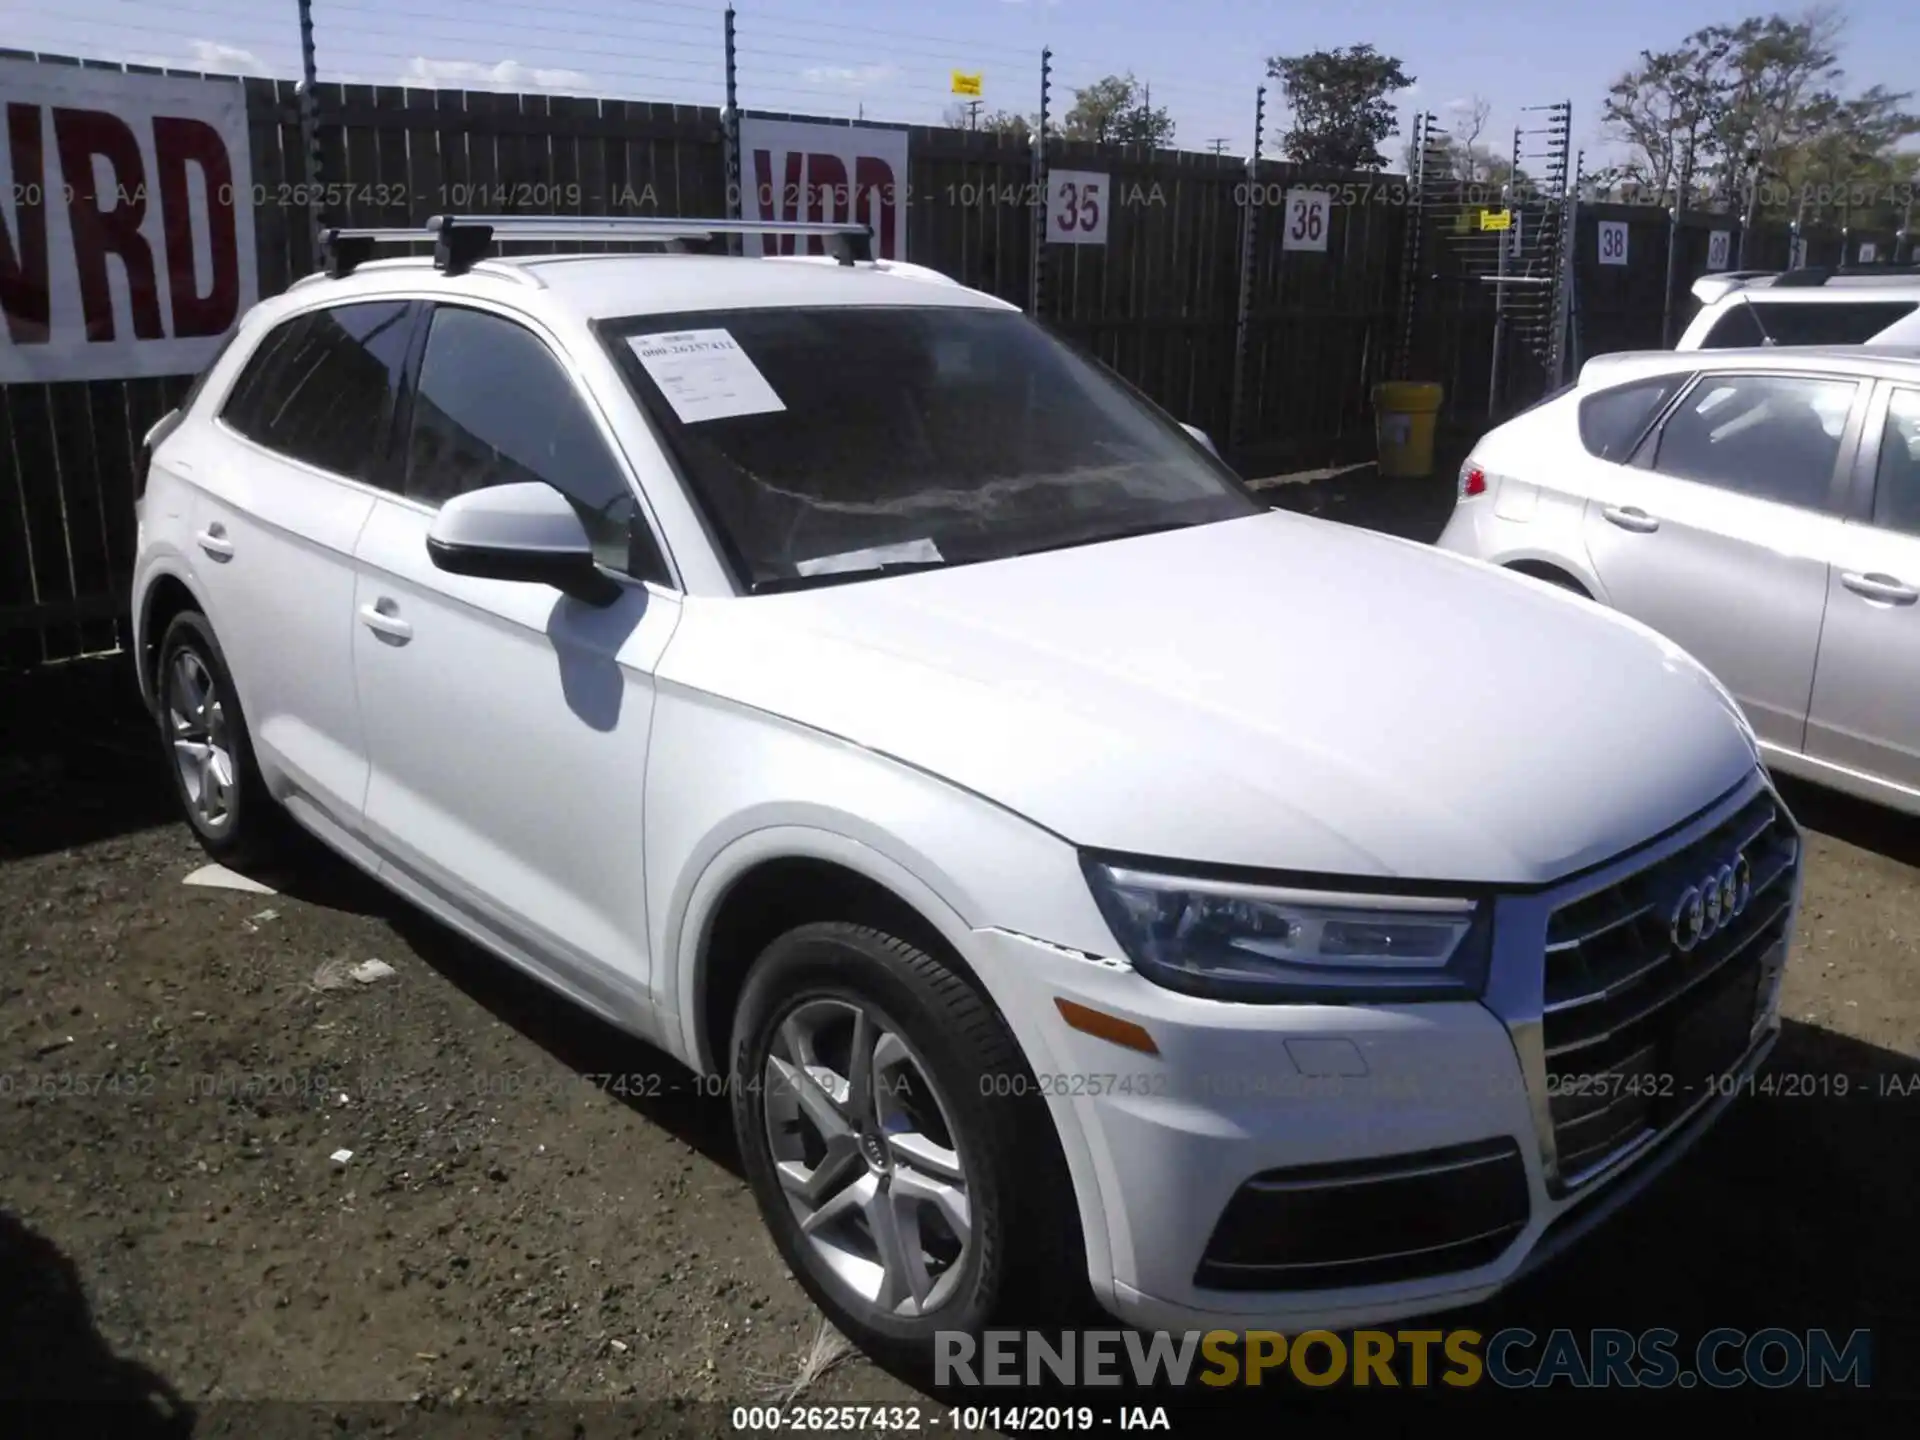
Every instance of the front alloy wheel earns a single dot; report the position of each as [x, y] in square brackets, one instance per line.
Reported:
[863, 1143]
[913, 1184]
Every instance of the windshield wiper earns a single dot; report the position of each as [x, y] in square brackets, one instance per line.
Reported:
[777, 583]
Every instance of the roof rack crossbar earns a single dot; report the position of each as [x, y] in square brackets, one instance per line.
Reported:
[459, 241]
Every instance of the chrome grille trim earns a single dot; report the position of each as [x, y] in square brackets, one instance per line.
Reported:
[1693, 982]
[1604, 929]
[1517, 985]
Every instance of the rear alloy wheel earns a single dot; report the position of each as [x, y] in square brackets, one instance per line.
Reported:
[911, 1184]
[208, 750]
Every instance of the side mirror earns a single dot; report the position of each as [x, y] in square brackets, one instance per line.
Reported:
[1204, 439]
[528, 532]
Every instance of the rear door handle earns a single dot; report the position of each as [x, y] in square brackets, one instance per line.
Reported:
[214, 541]
[1631, 517]
[1883, 588]
[382, 620]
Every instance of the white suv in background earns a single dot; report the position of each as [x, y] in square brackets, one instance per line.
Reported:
[1877, 305]
[1076, 870]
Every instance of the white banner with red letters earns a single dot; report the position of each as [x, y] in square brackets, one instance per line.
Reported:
[126, 222]
[812, 170]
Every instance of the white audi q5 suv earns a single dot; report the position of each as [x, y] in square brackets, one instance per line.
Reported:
[1078, 871]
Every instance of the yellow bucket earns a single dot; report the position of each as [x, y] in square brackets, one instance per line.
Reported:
[1404, 413]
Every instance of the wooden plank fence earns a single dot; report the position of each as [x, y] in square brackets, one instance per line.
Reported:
[1159, 302]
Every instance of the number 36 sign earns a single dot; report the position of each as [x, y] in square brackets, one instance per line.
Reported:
[1307, 220]
[1077, 207]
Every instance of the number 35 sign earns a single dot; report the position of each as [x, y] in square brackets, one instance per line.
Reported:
[1077, 207]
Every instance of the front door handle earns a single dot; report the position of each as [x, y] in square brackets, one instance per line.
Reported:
[1631, 517]
[384, 620]
[1883, 588]
[214, 541]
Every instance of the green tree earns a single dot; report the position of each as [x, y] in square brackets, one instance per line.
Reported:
[1006, 122]
[1756, 111]
[1668, 112]
[1117, 110]
[1342, 103]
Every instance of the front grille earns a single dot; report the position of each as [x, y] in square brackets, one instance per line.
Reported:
[1636, 1030]
[1370, 1222]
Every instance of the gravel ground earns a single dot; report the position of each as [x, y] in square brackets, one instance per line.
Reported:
[520, 1237]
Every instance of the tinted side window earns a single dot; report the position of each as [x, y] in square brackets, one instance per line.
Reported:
[493, 407]
[1775, 437]
[321, 386]
[1896, 489]
[1840, 323]
[1612, 421]
[1735, 330]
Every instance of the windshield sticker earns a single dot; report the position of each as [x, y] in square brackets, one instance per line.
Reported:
[705, 375]
[907, 552]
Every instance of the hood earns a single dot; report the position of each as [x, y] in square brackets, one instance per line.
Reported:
[1278, 691]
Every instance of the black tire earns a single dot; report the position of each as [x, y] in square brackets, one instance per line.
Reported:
[250, 826]
[1559, 579]
[1025, 1261]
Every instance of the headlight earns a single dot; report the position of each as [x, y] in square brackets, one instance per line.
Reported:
[1236, 941]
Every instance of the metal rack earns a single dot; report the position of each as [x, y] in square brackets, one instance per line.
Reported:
[460, 241]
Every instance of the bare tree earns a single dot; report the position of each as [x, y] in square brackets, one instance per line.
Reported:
[1473, 162]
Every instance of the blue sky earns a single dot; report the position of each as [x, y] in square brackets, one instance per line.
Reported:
[1202, 58]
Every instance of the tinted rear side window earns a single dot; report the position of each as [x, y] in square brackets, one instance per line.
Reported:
[320, 388]
[1735, 330]
[1848, 323]
[1612, 422]
[1773, 437]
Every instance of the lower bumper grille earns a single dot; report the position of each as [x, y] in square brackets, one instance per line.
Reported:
[1650, 1000]
[1370, 1223]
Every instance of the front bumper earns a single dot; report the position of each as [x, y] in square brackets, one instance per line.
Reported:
[1341, 1114]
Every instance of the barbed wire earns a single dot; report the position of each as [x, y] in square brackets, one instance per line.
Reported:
[669, 50]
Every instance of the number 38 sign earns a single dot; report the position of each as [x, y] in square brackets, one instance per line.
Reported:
[1077, 207]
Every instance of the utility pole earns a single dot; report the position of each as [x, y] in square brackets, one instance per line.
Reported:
[1219, 145]
[973, 114]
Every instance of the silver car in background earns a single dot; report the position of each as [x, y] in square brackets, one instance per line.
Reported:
[1761, 509]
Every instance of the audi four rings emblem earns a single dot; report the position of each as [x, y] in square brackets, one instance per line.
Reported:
[1710, 903]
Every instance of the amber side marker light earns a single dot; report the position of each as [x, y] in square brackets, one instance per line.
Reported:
[1107, 1027]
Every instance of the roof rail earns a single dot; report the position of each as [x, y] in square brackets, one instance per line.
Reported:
[1821, 274]
[459, 241]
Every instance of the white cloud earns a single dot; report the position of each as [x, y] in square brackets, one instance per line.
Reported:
[849, 77]
[213, 56]
[425, 73]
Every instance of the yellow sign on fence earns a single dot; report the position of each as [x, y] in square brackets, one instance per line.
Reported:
[965, 84]
[1496, 219]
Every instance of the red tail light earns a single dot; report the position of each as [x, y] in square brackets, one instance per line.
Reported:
[1473, 481]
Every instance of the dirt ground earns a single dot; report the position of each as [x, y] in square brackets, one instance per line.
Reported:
[520, 1243]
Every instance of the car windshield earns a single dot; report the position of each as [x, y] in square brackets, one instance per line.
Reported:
[840, 443]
